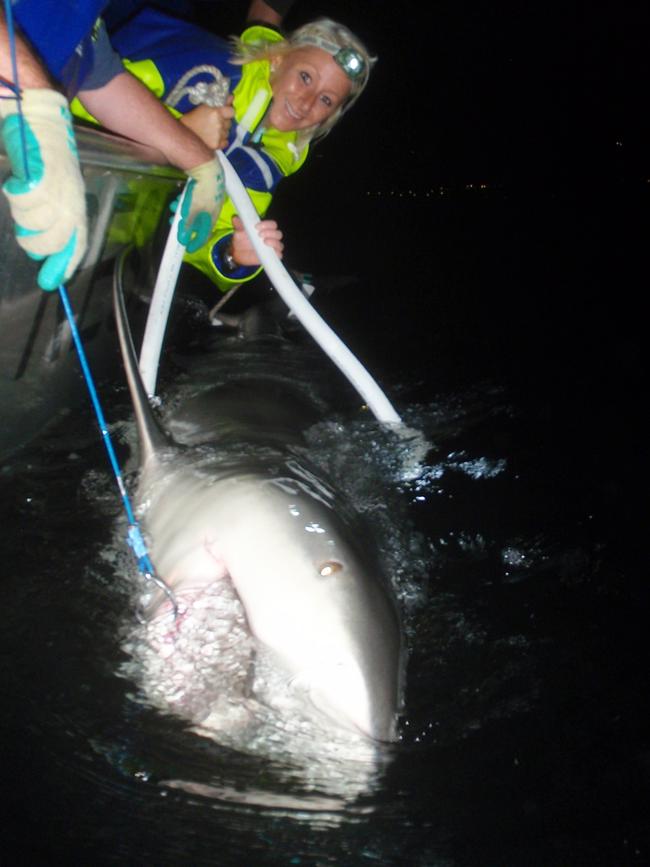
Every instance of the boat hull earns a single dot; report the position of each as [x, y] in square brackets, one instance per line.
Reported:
[128, 190]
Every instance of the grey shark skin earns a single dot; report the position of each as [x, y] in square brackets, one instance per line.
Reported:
[255, 512]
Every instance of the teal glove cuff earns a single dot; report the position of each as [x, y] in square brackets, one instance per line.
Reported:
[201, 204]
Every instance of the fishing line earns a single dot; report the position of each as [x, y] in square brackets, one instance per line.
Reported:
[134, 536]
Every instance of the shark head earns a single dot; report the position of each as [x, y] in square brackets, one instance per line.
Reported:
[314, 599]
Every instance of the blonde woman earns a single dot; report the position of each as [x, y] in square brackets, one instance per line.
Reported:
[280, 95]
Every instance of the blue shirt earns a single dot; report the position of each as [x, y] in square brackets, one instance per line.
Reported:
[70, 41]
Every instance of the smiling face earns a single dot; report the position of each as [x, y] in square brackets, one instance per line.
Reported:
[308, 87]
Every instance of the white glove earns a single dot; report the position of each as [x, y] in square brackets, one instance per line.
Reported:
[201, 205]
[46, 197]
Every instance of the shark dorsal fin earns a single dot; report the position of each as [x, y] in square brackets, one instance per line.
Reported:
[152, 437]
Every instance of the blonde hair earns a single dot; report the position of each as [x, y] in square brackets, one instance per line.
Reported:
[323, 33]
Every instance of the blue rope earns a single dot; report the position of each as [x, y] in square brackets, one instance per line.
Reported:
[134, 535]
[15, 85]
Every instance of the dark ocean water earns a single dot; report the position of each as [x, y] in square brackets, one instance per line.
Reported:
[504, 327]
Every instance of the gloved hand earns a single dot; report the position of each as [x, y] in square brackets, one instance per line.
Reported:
[47, 199]
[202, 202]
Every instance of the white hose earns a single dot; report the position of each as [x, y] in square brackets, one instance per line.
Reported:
[161, 300]
[329, 342]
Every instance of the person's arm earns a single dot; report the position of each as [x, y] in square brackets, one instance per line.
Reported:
[31, 72]
[268, 13]
[125, 106]
[229, 239]
[122, 104]
[241, 247]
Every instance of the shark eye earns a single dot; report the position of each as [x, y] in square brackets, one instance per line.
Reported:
[330, 568]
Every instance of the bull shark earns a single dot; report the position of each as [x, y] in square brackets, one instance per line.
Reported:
[225, 492]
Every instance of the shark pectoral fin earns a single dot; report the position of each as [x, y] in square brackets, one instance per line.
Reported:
[198, 567]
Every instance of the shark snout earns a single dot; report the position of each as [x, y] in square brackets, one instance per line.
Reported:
[339, 690]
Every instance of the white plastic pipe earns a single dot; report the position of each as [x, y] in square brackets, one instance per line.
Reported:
[329, 342]
[161, 300]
